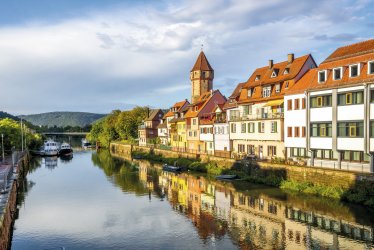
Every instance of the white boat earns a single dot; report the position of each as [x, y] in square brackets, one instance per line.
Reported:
[50, 148]
[65, 149]
[86, 144]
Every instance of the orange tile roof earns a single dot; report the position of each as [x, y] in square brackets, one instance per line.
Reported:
[351, 50]
[177, 105]
[304, 83]
[202, 63]
[286, 81]
[232, 101]
[342, 57]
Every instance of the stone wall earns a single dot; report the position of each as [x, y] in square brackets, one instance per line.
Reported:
[322, 176]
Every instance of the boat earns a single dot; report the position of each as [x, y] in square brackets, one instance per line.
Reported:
[171, 168]
[227, 177]
[65, 149]
[50, 148]
[86, 144]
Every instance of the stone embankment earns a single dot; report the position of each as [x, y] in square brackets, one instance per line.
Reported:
[10, 177]
[319, 176]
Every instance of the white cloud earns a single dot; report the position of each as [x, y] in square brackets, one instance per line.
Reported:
[134, 55]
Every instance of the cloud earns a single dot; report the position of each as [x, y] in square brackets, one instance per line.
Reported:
[142, 55]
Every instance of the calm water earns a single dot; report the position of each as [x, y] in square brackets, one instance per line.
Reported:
[94, 201]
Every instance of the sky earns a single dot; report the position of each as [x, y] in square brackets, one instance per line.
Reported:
[97, 56]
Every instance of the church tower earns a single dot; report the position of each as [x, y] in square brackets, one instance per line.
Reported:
[201, 77]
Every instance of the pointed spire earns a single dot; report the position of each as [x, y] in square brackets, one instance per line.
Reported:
[202, 63]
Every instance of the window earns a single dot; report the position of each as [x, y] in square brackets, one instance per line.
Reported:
[351, 129]
[297, 152]
[297, 132]
[246, 110]
[258, 77]
[243, 127]
[354, 70]
[303, 131]
[251, 127]
[272, 150]
[261, 127]
[277, 88]
[320, 101]
[266, 91]
[321, 130]
[233, 127]
[303, 103]
[193, 121]
[286, 85]
[355, 156]
[286, 71]
[274, 125]
[250, 149]
[325, 154]
[337, 73]
[322, 76]
[241, 148]
[296, 101]
[289, 105]
[372, 95]
[370, 67]
[274, 74]
[289, 132]
[249, 92]
[351, 98]
[371, 128]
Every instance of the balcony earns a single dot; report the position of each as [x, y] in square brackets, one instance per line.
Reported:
[263, 116]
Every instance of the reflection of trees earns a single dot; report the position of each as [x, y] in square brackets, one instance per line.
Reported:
[121, 173]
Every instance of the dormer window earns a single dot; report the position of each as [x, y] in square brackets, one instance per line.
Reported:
[196, 108]
[266, 91]
[277, 88]
[354, 70]
[249, 94]
[286, 71]
[274, 74]
[286, 86]
[322, 75]
[337, 73]
[371, 68]
[257, 78]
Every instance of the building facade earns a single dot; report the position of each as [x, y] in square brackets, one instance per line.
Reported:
[148, 132]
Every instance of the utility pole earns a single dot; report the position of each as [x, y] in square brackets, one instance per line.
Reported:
[21, 135]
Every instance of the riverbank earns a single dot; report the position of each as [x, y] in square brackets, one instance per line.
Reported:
[337, 184]
[10, 176]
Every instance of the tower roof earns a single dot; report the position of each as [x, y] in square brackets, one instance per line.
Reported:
[202, 63]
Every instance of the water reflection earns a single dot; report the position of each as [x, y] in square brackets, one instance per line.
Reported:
[252, 216]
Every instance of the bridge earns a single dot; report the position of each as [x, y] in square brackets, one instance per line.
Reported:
[65, 133]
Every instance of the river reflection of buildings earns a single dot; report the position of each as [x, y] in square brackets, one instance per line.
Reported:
[255, 221]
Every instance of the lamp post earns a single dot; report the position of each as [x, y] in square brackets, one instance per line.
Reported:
[2, 146]
[21, 136]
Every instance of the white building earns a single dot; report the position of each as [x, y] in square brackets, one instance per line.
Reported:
[339, 110]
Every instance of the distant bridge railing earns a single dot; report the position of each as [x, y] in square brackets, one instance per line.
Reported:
[65, 133]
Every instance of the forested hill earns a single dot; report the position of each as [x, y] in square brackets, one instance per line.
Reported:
[63, 119]
[6, 115]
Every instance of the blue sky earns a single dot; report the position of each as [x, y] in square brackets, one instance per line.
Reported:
[98, 55]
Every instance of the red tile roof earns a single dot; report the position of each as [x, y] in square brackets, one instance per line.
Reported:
[234, 97]
[178, 106]
[202, 63]
[356, 49]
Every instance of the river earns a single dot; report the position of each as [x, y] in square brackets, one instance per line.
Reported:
[96, 201]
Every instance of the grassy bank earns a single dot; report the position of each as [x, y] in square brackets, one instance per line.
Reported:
[361, 193]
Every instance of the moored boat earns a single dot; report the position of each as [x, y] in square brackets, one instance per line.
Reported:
[227, 177]
[50, 148]
[171, 168]
[65, 149]
[86, 144]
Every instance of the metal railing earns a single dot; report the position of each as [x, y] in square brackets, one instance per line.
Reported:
[278, 115]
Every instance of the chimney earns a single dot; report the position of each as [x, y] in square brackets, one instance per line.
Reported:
[290, 57]
[270, 64]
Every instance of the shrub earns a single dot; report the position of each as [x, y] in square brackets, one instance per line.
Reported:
[213, 169]
[198, 166]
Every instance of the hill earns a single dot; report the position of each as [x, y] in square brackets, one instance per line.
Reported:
[62, 119]
[7, 115]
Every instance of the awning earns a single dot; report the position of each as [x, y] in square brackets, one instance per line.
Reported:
[274, 103]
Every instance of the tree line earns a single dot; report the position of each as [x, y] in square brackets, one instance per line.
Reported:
[118, 126]
[11, 130]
